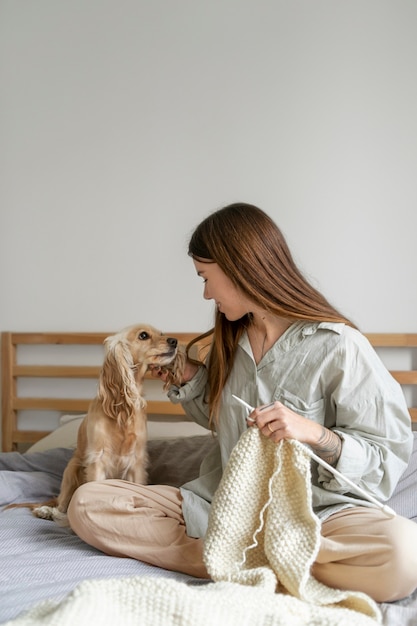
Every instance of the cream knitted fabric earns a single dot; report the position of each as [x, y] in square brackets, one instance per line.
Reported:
[142, 601]
[262, 529]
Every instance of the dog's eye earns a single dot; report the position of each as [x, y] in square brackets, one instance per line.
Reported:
[143, 335]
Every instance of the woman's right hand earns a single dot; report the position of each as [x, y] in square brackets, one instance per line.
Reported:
[162, 373]
[190, 371]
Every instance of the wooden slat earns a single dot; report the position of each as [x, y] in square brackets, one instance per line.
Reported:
[405, 377]
[8, 383]
[393, 340]
[59, 338]
[52, 404]
[56, 371]
[29, 436]
[154, 407]
[163, 407]
[61, 371]
[78, 338]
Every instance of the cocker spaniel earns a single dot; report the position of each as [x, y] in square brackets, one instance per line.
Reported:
[112, 438]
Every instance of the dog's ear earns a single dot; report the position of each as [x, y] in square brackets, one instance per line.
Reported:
[175, 370]
[117, 389]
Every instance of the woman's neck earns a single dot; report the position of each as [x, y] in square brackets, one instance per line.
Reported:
[264, 330]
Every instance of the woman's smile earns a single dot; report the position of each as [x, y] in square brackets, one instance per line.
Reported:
[228, 299]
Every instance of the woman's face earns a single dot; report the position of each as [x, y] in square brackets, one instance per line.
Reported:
[218, 287]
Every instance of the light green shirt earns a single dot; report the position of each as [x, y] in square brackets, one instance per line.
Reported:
[328, 373]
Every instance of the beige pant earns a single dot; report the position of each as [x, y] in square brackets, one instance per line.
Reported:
[361, 548]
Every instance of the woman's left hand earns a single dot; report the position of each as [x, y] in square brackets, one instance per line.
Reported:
[278, 422]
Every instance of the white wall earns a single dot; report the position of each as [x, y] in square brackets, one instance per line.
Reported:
[124, 123]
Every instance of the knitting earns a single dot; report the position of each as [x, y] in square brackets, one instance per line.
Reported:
[262, 529]
[163, 602]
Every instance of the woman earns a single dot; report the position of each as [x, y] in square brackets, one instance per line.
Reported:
[278, 344]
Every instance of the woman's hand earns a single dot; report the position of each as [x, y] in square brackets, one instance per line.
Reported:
[162, 373]
[278, 422]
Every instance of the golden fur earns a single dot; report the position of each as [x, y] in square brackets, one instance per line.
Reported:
[112, 438]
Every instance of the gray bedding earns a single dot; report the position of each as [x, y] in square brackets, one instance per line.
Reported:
[39, 560]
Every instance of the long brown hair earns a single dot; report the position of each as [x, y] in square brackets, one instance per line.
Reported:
[252, 251]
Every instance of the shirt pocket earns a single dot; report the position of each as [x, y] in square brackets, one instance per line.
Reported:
[314, 411]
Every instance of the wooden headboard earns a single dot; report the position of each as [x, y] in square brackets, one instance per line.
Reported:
[405, 345]
[14, 371]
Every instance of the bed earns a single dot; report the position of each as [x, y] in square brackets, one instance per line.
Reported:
[47, 381]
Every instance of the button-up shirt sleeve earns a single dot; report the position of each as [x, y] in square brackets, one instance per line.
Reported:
[367, 409]
[192, 396]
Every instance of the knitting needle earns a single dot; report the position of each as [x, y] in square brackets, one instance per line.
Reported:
[248, 406]
[384, 508]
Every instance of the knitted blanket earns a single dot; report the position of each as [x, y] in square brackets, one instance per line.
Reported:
[142, 601]
[262, 528]
[261, 541]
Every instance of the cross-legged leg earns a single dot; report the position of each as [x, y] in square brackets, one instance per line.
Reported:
[143, 522]
[364, 550]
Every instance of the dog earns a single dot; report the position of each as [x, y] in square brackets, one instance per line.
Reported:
[112, 438]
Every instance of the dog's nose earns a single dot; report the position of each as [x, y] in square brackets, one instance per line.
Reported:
[171, 341]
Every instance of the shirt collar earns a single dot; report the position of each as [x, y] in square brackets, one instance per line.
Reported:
[295, 334]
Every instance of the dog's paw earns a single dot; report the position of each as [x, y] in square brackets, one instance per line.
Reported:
[52, 513]
[44, 512]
